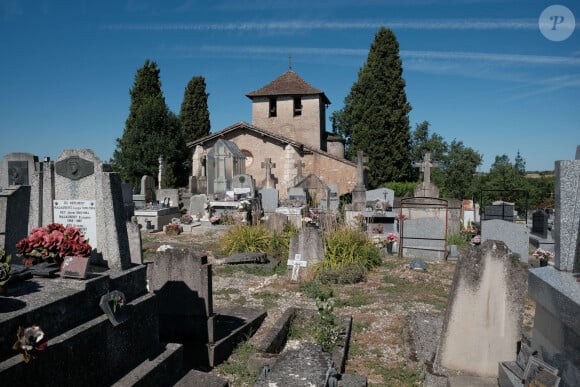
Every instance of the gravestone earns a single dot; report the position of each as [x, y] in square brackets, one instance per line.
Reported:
[299, 165]
[424, 238]
[224, 161]
[148, 188]
[556, 290]
[24, 169]
[515, 236]
[169, 196]
[297, 196]
[500, 210]
[269, 200]
[381, 195]
[482, 323]
[198, 206]
[182, 281]
[269, 181]
[243, 186]
[332, 202]
[127, 190]
[309, 245]
[88, 195]
[359, 191]
[426, 188]
[540, 223]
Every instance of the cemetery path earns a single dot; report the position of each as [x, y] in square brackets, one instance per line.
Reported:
[381, 307]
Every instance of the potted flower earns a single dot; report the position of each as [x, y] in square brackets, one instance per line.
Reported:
[389, 240]
[173, 229]
[51, 244]
[186, 219]
[29, 342]
[215, 219]
[476, 240]
[5, 269]
[543, 255]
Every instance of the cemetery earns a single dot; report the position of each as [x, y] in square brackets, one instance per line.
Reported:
[240, 284]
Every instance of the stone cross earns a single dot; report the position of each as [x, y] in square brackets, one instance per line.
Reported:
[268, 165]
[161, 170]
[299, 165]
[426, 166]
[296, 264]
[360, 169]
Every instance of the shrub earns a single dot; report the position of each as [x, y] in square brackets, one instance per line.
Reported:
[457, 239]
[346, 247]
[243, 238]
[280, 242]
[349, 274]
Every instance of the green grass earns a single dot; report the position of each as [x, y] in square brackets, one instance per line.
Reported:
[423, 291]
[399, 376]
[313, 289]
[269, 299]
[235, 368]
[360, 326]
[354, 298]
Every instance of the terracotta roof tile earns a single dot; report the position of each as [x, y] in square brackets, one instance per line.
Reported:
[288, 83]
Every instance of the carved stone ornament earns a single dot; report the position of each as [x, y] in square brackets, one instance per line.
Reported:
[74, 168]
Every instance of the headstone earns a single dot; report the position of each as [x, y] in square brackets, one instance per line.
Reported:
[567, 223]
[359, 191]
[269, 200]
[276, 223]
[148, 188]
[381, 195]
[269, 181]
[540, 223]
[297, 196]
[295, 264]
[224, 160]
[127, 190]
[168, 196]
[88, 195]
[182, 281]
[333, 198]
[243, 186]
[426, 188]
[468, 210]
[500, 210]
[74, 267]
[424, 238]
[299, 165]
[308, 244]
[113, 305]
[515, 236]
[484, 313]
[197, 206]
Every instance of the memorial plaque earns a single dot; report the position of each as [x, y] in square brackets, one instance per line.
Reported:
[18, 173]
[74, 168]
[74, 267]
[80, 214]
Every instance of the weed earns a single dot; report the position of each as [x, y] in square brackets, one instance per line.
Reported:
[327, 330]
[346, 247]
[235, 368]
[269, 299]
[349, 274]
[457, 239]
[243, 238]
[314, 289]
[398, 376]
[360, 326]
[355, 299]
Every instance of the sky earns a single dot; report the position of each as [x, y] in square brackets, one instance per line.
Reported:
[498, 75]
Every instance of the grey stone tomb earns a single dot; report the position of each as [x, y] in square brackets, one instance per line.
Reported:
[515, 236]
[424, 238]
[482, 323]
[269, 199]
[359, 191]
[540, 223]
[308, 244]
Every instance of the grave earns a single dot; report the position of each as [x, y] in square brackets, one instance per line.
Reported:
[359, 190]
[224, 161]
[270, 180]
[269, 198]
[182, 281]
[556, 290]
[308, 244]
[426, 188]
[483, 318]
[331, 198]
[378, 213]
[500, 210]
[243, 187]
[424, 238]
[540, 223]
[147, 193]
[515, 236]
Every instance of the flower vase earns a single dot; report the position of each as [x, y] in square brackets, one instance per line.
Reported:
[543, 262]
[390, 248]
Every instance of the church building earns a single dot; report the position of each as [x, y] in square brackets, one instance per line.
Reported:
[289, 128]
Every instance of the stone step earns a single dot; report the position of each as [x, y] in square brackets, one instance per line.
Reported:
[61, 304]
[163, 370]
[94, 353]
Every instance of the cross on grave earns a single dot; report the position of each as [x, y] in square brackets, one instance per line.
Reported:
[268, 164]
[426, 166]
[361, 159]
[299, 165]
[296, 264]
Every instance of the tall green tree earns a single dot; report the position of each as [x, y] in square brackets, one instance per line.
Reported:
[458, 171]
[520, 164]
[151, 130]
[194, 113]
[506, 183]
[422, 142]
[375, 116]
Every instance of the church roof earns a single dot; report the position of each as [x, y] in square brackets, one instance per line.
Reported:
[288, 83]
[232, 129]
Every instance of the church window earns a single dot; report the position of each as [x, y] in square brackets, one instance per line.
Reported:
[249, 157]
[272, 109]
[297, 106]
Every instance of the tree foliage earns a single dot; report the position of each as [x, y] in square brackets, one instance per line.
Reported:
[375, 116]
[423, 142]
[151, 130]
[194, 113]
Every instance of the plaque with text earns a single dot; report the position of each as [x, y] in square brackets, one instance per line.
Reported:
[80, 214]
[74, 267]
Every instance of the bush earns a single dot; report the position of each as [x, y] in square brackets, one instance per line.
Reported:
[243, 238]
[280, 242]
[457, 239]
[350, 274]
[346, 247]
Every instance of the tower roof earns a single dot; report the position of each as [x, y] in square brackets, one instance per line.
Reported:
[288, 83]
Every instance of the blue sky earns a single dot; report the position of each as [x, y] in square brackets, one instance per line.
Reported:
[479, 71]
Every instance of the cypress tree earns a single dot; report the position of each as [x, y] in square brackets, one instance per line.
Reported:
[375, 118]
[151, 130]
[194, 114]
